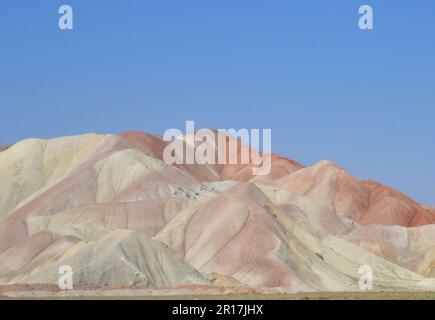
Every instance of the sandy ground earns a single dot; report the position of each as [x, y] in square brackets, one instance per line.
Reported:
[129, 294]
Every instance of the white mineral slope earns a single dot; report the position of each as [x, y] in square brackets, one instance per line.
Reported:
[104, 176]
[32, 164]
[327, 259]
[413, 248]
[121, 258]
[242, 234]
[98, 176]
[90, 222]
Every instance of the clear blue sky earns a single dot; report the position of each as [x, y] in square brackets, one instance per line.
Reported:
[364, 99]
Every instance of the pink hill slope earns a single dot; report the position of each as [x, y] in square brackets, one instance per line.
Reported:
[109, 207]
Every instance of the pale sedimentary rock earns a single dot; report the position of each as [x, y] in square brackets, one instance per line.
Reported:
[109, 207]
